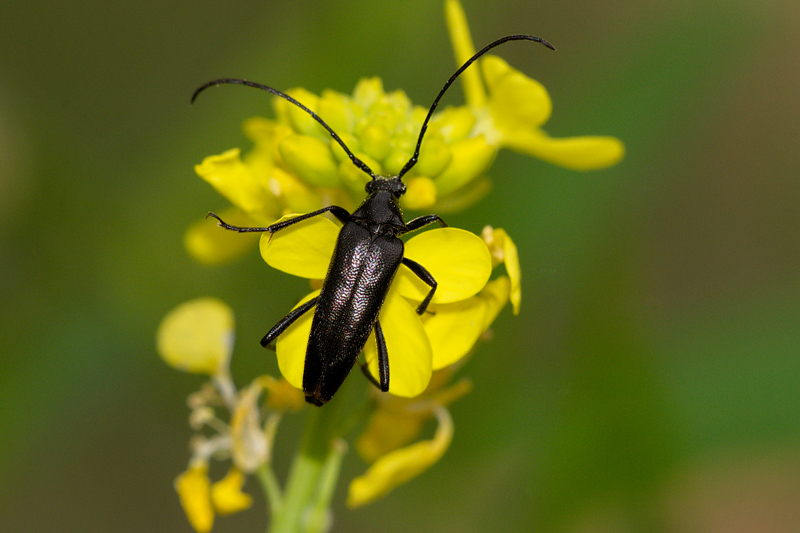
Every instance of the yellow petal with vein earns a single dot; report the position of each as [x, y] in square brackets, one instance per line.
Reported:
[292, 344]
[303, 249]
[458, 260]
[408, 347]
[576, 153]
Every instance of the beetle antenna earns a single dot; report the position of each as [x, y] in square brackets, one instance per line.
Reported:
[521, 37]
[236, 81]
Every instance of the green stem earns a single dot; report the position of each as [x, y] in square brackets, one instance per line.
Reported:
[308, 471]
[319, 518]
[272, 488]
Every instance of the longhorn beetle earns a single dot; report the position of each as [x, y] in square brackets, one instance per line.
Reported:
[368, 250]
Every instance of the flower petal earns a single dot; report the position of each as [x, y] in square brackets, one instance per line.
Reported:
[311, 159]
[301, 121]
[250, 447]
[576, 153]
[420, 194]
[193, 488]
[516, 101]
[458, 260]
[282, 395]
[408, 346]
[266, 134]
[388, 430]
[435, 157]
[211, 245]
[291, 194]
[227, 495]
[399, 466]
[495, 296]
[453, 123]
[453, 329]
[504, 250]
[367, 91]
[197, 336]
[470, 158]
[464, 49]
[303, 249]
[234, 180]
[292, 345]
[375, 141]
[337, 110]
[464, 197]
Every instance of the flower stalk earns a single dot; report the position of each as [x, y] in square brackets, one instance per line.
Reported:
[305, 505]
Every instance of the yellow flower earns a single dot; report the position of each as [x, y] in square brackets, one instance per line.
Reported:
[453, 329]
[295, 166]
[201, 500]
[397, 467]
[197, 336]
[396, 422]
[457, 259]
[504, 251]
[194, 490]
[516, 106]
[227, 495]
[402, 464]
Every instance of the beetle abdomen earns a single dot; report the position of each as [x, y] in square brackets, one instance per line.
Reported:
[355, 287]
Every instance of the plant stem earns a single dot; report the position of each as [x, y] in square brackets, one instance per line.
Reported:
[308, 473]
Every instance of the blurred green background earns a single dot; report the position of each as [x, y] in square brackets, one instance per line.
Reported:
[651, 382]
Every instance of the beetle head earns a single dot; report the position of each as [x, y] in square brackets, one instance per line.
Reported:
[391, 184]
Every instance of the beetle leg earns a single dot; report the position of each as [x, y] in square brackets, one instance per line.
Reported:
[425, 276]
[383, 362]
[421, 222]
[222, 224]
[383, 357]
[287, 321]
[339, 212]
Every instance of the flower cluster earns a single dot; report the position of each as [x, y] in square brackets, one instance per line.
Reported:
[197, 336]
[295, 167]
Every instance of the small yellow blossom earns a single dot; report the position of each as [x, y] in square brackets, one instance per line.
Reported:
[250, 448]
[504, 251]
[227, 495]
[282, 396]
[201, 500]
[397, 467]
[396, 421]
[194, 490]
[197, 336]
[511, 114]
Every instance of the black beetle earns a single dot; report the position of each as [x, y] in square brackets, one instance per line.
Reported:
[367, 255]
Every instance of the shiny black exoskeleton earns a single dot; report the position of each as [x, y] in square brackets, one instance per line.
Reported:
[367, 255]
[365, 260]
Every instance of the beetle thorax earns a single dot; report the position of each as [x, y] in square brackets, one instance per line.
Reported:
[381, 212]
